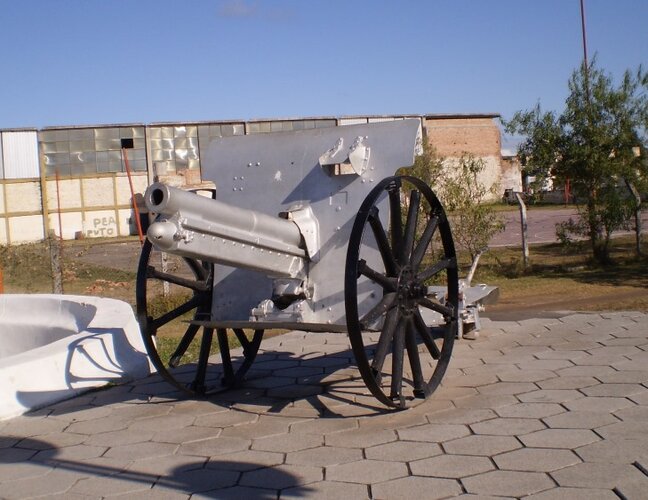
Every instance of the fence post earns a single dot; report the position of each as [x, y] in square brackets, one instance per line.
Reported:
[523, 222]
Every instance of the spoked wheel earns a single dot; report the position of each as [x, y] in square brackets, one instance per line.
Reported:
[392, 257]
[180, 351]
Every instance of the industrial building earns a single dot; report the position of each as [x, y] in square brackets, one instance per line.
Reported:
[72, 181]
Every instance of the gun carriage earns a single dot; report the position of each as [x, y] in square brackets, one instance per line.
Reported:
[310, 230]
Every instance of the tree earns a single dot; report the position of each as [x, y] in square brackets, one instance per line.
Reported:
[463, 195]
[598, 143]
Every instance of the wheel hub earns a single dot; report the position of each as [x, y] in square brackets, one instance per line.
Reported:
[409, 290]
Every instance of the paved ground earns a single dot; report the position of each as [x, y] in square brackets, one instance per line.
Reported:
[553, 408]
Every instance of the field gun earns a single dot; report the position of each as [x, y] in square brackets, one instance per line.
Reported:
[309, 230]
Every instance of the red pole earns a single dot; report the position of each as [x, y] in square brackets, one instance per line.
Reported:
[138, 224]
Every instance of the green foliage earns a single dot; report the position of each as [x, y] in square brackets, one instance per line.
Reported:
[463, 194]
[474, 222]
[598, 143]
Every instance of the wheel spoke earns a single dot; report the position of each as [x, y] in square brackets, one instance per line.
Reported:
[186, 340]
[387, 302]
[387, 283]
[242, 338]
[223, 344]
[384, 341]
[198, 384]
[427, 338]
[424, 242]
[449, 263]
[383, 243]
[410, 226]
[200, 270]
[414, 360]
[437, 307]
[396, 223]
[192, 303]
[198, 286]
[397, 360]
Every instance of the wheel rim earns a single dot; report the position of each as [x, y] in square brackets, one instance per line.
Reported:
[405, 358]
[181, 351]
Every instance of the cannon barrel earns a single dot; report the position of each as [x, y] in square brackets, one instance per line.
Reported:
[198, 227]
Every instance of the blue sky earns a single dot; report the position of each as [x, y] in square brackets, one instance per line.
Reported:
[71, 62]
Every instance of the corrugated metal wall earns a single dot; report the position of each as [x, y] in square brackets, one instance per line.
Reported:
[20, 155]
[1, 162]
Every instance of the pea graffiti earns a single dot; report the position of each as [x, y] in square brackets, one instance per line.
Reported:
[99, 227]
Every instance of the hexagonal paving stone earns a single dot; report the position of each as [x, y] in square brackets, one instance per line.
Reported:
[482, 445]
[614, 451]
[265, 426]
[508, 483]
[324, 426]
[288, 442]
[508, 426]
[198, 480]
[55, 481]
[115, 438]
[574, 494]
[24, 427]
[510, 388]
[403, 451]
[486, 401]
[560, 438]
[536, 459]
[163, 423]
[633, 413]
[70, 453]
[597, 475]
[225, 419]
[212, 447]
[550, 396]
[631, 429]
[323, 490]
[12, 471]
[615, 390]
[525, 375]
[245, 460]
[97, 425]
[186, 435]
[323, 456]
[580, 420]
[451, 466]
[53, 440]
[568, 383]
[282, 476]
[416, 487]
[433, 433]
[141, 450]
[366, 471]
[166, 465]
[530, 410]
[462, 415]
[605, 404]
[120, 483]
[360, 438]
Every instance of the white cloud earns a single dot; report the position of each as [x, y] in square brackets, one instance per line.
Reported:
[237, 8]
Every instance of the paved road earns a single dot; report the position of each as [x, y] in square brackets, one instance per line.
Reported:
[553, 408]
[541, 224]
[541, 229]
